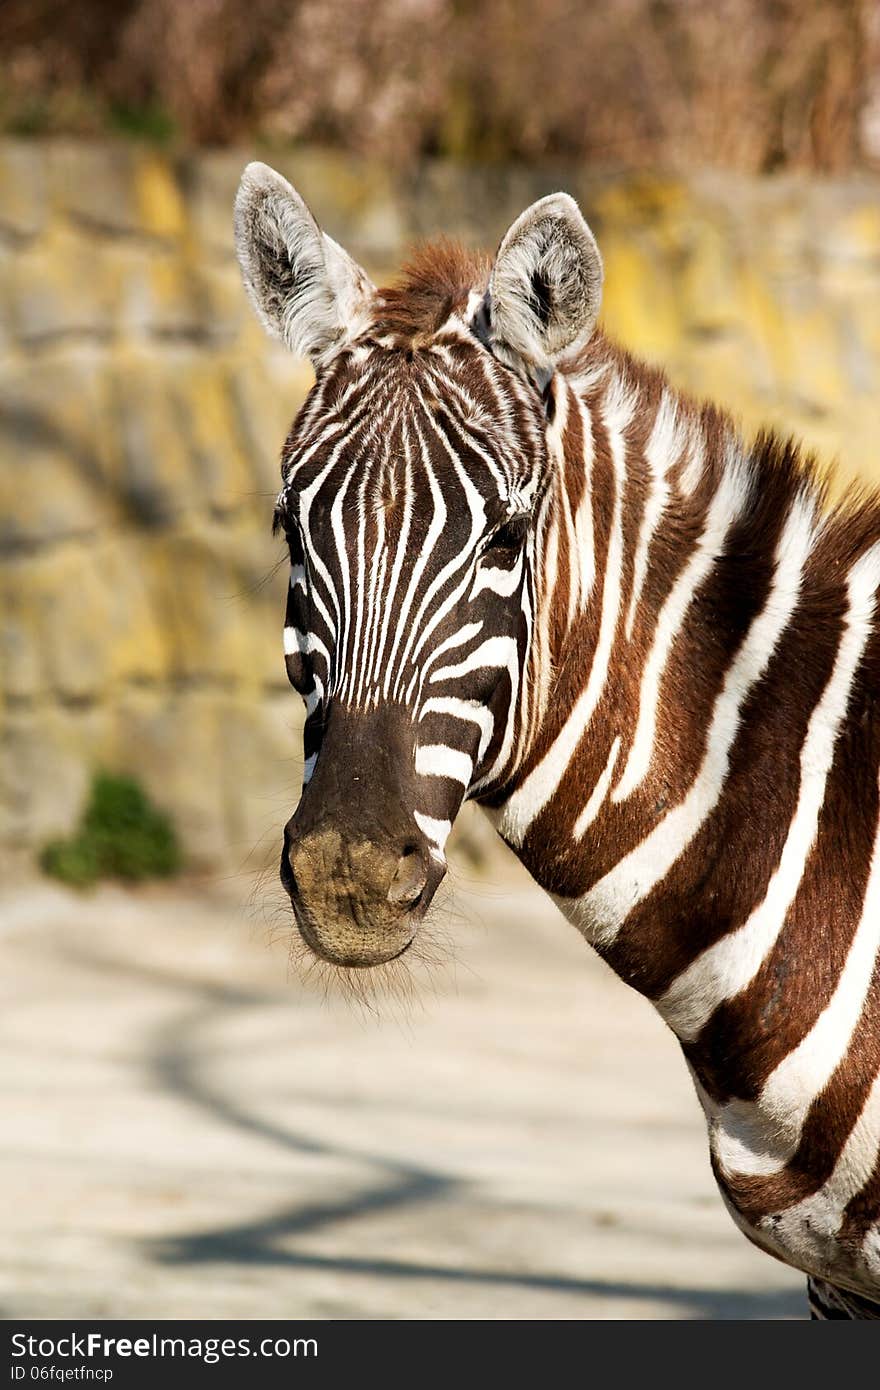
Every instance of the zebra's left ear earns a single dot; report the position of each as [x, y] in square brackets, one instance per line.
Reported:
[546, 286]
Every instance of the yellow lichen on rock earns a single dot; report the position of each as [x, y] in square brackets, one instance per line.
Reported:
[159, 200]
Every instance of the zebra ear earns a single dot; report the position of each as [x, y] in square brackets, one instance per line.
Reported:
[305, 289]
[546, 285]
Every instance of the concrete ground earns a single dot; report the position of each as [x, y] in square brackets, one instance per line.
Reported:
[192, 1131]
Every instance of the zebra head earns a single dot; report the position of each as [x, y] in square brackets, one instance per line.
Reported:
[417, 482]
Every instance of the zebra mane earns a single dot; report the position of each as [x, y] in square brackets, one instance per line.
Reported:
[782, 465]
[434, 284]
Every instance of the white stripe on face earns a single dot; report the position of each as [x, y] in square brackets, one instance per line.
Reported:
[439, 760]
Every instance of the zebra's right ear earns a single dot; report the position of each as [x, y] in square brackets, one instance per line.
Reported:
[546, 286]
[305, 289]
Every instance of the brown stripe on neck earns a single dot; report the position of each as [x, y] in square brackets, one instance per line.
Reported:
[827, 1127]
[747, 1037]
[862, 1212]
[718, 877]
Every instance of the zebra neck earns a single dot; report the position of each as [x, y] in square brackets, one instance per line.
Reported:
[707, 636]
[701, 792]
[639, 605]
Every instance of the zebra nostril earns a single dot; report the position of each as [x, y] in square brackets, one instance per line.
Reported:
[409, 881]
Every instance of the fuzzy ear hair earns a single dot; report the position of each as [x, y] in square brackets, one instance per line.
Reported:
[305, 289]
[546, 285]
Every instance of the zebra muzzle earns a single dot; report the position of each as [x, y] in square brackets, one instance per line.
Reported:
[356, 903]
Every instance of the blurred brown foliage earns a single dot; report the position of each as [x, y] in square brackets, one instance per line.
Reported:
[753, 85]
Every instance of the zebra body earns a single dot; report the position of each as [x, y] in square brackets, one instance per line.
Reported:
[528, 572]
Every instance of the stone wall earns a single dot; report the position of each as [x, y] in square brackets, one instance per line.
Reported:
[142, 412]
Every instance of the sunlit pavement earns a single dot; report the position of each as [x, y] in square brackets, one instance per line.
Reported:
[189, 1130]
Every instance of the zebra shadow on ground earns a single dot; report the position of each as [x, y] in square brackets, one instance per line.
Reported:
[174, 1062]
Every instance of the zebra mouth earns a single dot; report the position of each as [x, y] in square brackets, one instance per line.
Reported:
[354, 960]
[351, 962]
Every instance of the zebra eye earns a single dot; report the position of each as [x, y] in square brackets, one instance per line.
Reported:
[509, 536]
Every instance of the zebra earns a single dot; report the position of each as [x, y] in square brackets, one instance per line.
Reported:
[526, 571]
